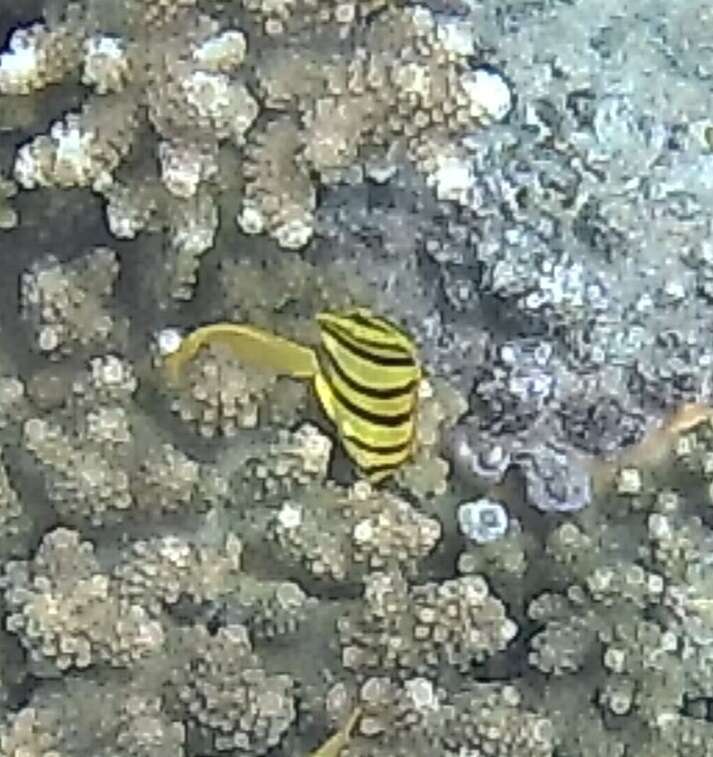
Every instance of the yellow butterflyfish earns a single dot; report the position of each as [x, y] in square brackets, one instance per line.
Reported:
[365, 373]
[368, 386]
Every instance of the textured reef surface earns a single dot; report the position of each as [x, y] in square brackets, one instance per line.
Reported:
[196, 568]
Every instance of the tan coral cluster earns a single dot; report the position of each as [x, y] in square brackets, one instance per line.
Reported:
[169, 481]
[491, 718]
[286, 464]
[32, 731]
[505, 559]
[84, 471]
[65, 613]
[36, 57]
[625, 581]
[563, 645]
[220, 395]
[206, 569]
[99, 464]
[388, 531]
[143, 728]
[346, 534]
[423, 627]
[480, 719]
[69, 612]
[161, 571]
[109, 378]
[639, 650]
[230, 696]
[82, 479]
[279, 17]
[104, 481]
[638, 623]
[279, 195]
[303, 534]
[401, 91]
[271, 608]
[174, 64]
[122, 719]
[302, 454]
[414, 707]
[81, 150]
[66, 303]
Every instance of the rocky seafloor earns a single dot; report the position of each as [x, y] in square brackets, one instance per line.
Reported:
[198, 570]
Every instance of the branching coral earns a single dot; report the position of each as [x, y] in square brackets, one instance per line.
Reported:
[62, 607]
[230, 696]
[344, 534]
[65, 304]
[555, 273]
[400, 87]
[416, 629]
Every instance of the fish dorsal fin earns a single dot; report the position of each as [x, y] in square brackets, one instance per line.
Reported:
[251, 345]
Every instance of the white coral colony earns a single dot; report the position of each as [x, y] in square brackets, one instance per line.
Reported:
[483, 520]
